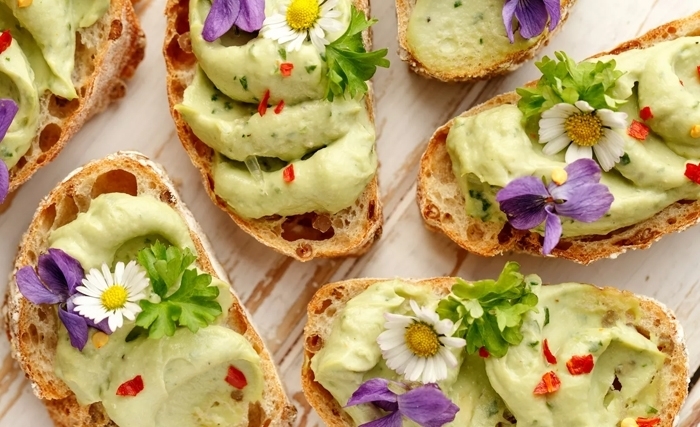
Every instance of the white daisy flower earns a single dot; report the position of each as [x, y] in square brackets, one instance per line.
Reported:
[584, 130]
[300, 20]
[112, 296]
[418, 347]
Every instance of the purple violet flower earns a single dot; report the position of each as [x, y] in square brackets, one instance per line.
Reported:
[527, 202]
[8, 111]
[248, 15]
[532, 15]
[57, 282]
[426, 405]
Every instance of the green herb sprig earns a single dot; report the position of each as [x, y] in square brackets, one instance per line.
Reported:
[490, 312]
[186, 297]
[563, 80]
[349, 63]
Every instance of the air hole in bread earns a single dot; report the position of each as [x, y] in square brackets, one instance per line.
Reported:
[474, 232]
[506, 234]
[324, 306]
[31, 335]
[49, 136]
[642, 331]
[179, 58]
[182, 22]
[304, 251]
[85, 57]
[67, 211]
[564, 245]
[255, 414]
[23, 161]
[32, 257]
[61, 107]
[48, 216]
[167, 197]
[314, 343]
[671, 221]
[115, 181]
[671, 30]
[308, 226]
[118, 90]
[41, 313]
[115, 29]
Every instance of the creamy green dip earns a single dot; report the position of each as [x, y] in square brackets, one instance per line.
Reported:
[492, 390]
[454, 35]
[41, 58]
[490, 149]
[330, 145]
[183, 375]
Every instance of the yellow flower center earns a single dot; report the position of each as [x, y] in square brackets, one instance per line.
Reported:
[114, 297]
[303, 14]
[422, 340]
[584, 129]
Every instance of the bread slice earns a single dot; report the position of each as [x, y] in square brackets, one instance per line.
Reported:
[107, 54]
[31, 329]
[442, 204]
[328, 302]
[496, 67]
[354, 228]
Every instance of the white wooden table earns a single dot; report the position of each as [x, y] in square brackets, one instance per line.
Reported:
[276, 289]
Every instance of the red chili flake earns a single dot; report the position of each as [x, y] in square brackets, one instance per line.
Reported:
[279, 107]
[484, 353]
[262, 108]
[646, 114]
[692, 172]
[551, 359]
[579, 365]
[638, 130]
[549, 384]
[131, 388]
[5, 40]
[648, 422]
[286, 68]
[288, 174]
[698, 70]
[236, 378]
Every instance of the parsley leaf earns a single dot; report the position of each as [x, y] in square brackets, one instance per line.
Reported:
[349, 64]
[187, 298]
[563, 80]
[489, 313]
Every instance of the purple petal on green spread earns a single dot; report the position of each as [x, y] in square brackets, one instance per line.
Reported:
[552, 231]
[554, 10]
[77, 328]
[508, 14]
[4, 181]
[221, 17]
[372, 391]
[391, 420]
[523, 201]
[427, 406]
[60, 272]
[8, 111]
[31, 287]
[252, 15]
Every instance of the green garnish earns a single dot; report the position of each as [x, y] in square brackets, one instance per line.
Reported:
[490, 313]
[652, 410]
[244, 82]
[625, 159]
[310, 69]
[283, 53]
[186, 297]
[349, 63]
[563, 80]
[458, 3]
[546, 317]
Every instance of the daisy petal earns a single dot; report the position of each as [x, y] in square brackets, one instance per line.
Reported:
[576, 152]
[556, 145]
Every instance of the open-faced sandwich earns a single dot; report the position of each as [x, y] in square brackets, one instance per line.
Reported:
[462, 40]
[272, 104]
[119, 314]
[593, 159]
[491, 353]
[61, 63]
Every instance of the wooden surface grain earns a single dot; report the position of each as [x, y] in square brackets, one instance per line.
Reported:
[409, 108]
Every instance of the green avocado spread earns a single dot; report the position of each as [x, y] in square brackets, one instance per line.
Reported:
[498, 391]
[183, 375]
[41, 57]
[454, 35]
[490, 149]
[329, 144]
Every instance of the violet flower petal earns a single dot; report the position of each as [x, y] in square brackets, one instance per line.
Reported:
[508, 14]
[77, 328]
[252, 15]
[31, 287]
[582, 171]
[373, 391]
[427, 406]
[554, 11]
[60, 272]
[8, 111]
[532, 16]
[523, 201]
[586, 203]
[4, 181]
[552, 231]
[221, 17]
[391, 420]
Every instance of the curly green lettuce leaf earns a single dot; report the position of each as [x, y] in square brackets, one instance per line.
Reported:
[489, 313]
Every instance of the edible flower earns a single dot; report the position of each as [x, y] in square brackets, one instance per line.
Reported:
[112, 296]
[131, 388]
[418, 347]
[248, 15]
[57, 281]
[549, 384]
[527, 201]
[532, 15]
[584, 130]
[8, 111]
[580, 365]
[302, 20]
[426, 405]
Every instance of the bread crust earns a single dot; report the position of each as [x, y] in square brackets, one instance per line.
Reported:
[100, 77]
[328, 302]
[511, 62]
[31, 329]
[441, 202]
[355, 228]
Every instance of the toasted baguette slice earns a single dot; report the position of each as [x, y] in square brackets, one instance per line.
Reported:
[477, 71]
[107, 54]
[328, 303]
[441, 202]
[31, 329]
[354, 228]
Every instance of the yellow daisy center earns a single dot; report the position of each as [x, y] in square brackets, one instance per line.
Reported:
[303, 14]
[584, 129]
[422, 340]
[114, 297]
